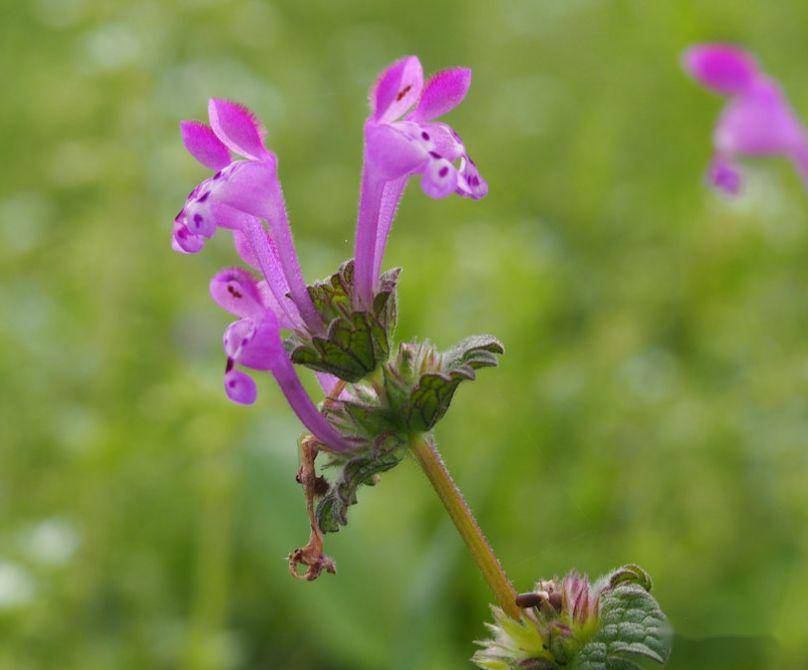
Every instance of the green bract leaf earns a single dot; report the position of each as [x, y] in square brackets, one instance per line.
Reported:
[434, 389]
[332, 510]
[356, 342]
[414, 392]
[387, 399]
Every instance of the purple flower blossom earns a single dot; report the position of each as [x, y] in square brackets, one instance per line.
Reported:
[757, 121]
[254, 341]
[400, 143]
[239, 196]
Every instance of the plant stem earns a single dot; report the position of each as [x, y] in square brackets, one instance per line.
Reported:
[432, 464]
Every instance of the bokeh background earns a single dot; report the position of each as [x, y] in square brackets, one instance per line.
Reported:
[652, 405]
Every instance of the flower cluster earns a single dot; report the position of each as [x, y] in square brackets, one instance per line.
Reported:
[341, 328]
[757, 120]
[611, 624]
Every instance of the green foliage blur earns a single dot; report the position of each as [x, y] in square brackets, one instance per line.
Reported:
[652, 405]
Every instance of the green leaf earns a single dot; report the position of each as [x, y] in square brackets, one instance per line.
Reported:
[369, 420]
[325, 356]
[332, 297]
[332, 510]
[630, 573]
[356, 342]
[477, 351]
[384, 302]
[430, 400]
[631, 627]
[432, 395]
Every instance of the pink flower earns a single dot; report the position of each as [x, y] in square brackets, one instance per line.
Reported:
[239, 196]
[403, 139]
[757, 120]
[254, 342]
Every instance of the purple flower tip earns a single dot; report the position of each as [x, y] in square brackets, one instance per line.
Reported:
[757, 120]
[722, 67]
[240, 387]
[724, 176]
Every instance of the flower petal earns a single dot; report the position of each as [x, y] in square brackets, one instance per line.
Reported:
[247, 187]
[204, 212]
[443, 92]
[760, 122]
[261, 347]
[724, 176]
[258, 345]
[202, 143]
[391, 153]
[444, 140]
[439, 179]
[236, 291]
[471, 184]
[238, 128]
[236, 335]
[239, 386]
[184, 241]
[397, 89]
[721, 67]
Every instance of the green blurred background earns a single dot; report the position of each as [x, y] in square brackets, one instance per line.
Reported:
[652, 405]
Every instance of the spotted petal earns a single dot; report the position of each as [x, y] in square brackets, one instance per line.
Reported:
[392, 153]
[443, 139]
[239, 386]
[184, 241]
[439, 178]
[471, 184]
[257, 344]
[397, 89]
[236, 291]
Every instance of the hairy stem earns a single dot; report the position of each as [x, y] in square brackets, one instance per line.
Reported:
[432, 464]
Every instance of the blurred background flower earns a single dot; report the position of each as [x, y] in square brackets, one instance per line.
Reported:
[652, 406]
